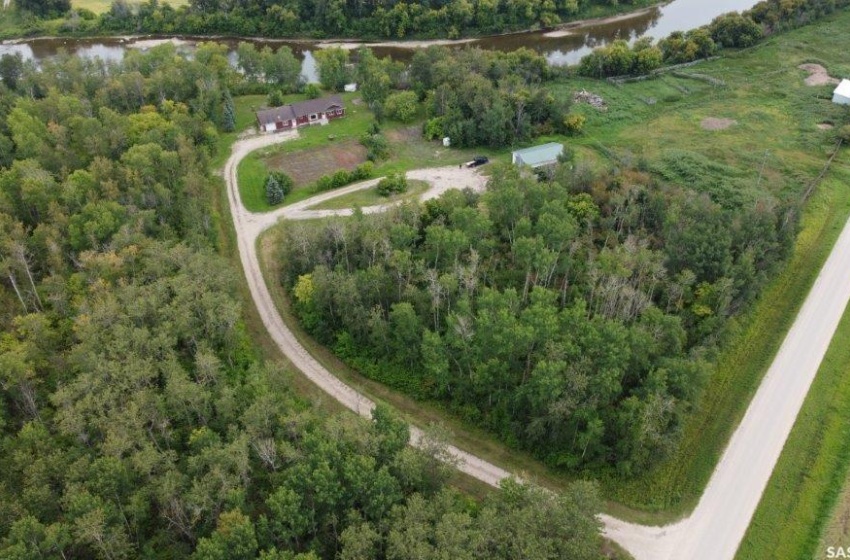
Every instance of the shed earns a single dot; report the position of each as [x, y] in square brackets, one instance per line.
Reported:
[842, 93]
[538, 156]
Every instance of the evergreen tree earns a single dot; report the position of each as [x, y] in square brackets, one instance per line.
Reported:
[228, 118]
[274, 192]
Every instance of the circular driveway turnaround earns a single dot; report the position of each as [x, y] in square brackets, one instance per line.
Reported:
[715, 528]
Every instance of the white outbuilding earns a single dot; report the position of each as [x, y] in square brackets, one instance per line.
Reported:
[842, 93]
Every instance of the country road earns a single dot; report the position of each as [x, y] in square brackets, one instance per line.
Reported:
[715, 528]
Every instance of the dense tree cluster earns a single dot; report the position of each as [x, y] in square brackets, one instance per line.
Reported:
[479, 97]
[619, 59]
[135, 418]
[571, 317]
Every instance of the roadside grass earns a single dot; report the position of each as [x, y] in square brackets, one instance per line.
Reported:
[809, 476]
[370, 197]
[836, 531]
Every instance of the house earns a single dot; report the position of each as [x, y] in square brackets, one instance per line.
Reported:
[842, 93]
[312, 111]
[538, 156]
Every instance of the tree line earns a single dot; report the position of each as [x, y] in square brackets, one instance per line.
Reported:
[574, 317]
[136, 417]
[341, 18]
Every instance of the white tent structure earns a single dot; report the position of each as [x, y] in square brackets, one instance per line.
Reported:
[842, 93]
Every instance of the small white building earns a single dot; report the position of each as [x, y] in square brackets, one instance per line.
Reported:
[350, 88]
[842, 93]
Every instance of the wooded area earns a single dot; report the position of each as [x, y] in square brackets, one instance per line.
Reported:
[137, 419]
[575, 318]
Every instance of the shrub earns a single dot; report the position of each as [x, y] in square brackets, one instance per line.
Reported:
[343, 177]
[363, 171]
[275, 98]
[735, 30]
[312, 91]
[376, 146]
[574, 124]
[392, 184]
[401, 106]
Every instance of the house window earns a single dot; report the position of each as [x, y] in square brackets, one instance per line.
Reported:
[312, 117]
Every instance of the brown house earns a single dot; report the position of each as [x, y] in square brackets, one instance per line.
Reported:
[312, 111]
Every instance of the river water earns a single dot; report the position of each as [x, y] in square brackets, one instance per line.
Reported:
[565, 46]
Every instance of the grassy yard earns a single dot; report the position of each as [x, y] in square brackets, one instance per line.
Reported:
[321, 150]
[370, 197]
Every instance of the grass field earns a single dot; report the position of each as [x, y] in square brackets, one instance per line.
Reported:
[774, 148]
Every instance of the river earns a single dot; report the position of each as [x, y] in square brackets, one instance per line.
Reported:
[563, 46]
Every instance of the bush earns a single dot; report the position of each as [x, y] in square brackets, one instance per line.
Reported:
[392, 184]
[574, 124]
[312, 91]
[401, 106]
[376, 145]
[343, 177]
[735, 30]
[363, 171]
[275, 98]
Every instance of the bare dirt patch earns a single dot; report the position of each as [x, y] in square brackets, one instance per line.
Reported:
[306, 166]
[712, 123]
[826, 126]
[818, 76]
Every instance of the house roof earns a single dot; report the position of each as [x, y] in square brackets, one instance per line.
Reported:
[300, 109]
[539, 155]
[843, 89]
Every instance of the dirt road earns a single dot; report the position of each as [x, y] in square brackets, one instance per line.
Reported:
[715, 528]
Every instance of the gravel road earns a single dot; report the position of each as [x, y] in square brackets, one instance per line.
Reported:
[715, 528]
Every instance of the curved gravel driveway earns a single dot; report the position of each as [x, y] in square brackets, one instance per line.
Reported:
[715, 528]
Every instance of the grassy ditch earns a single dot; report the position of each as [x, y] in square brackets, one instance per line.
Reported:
[809, 476]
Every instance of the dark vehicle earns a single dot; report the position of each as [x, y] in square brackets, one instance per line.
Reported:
[477, 160]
